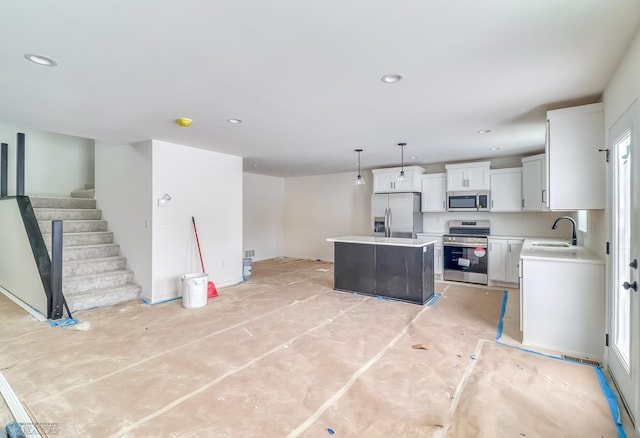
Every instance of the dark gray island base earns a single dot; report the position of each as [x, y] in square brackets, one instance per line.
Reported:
[396, 268]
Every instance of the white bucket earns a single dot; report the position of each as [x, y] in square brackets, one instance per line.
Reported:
[194, 290]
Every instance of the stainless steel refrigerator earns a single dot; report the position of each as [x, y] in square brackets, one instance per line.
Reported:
[396, 215]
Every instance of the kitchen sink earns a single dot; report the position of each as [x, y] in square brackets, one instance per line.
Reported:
[552, 244]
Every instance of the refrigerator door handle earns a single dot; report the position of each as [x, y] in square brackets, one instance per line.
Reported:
[389, 221]
[385, 222]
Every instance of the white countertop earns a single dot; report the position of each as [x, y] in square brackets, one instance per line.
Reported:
[372, 240]
[575, 254]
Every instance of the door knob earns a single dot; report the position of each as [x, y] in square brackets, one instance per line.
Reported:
[628, 286]
[634, 264]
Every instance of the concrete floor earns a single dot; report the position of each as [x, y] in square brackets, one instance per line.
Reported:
[285, 355]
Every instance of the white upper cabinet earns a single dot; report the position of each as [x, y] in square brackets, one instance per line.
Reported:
[506, 189]
[386, 180]
[434, 192]
[468, 176]
[575, 167]
[534, 183]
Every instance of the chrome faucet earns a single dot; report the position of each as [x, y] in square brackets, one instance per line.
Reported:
[574, 240]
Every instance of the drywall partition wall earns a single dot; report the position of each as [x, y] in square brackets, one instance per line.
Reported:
[317, 207]
[18, 269]
[55, 164]
[208, 186]
[123, 193]
[263, 199]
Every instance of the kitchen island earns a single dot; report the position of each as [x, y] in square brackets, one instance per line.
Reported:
[390, 267]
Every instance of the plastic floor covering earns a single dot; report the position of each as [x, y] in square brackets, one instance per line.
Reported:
[284, 355]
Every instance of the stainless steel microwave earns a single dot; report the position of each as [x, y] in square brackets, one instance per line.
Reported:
[468, 201]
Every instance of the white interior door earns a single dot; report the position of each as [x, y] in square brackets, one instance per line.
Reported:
[624, 305]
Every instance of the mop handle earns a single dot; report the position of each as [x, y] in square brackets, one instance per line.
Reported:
[198, 242]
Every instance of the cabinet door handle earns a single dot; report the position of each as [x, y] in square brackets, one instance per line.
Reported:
[523, 203]
[634, 264]
[508, 247]
[544, 198]
[626, 285]
[492, 203]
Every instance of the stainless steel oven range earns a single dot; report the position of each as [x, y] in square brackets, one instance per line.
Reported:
[465, 251]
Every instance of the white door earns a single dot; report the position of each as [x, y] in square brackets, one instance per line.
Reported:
[624, 340]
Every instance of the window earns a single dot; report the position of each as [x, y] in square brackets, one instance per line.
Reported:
[582, 220]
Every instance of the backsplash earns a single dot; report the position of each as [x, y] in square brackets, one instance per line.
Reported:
[531, 224]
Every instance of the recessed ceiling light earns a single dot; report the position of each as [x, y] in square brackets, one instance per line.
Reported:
[392, 78]
[234, 121]
[484, 131]
[255, 165]
[495, 148]
[40, 59]
[414, 157]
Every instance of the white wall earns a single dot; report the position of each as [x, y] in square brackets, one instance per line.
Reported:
[523, 224]
[263, 199]
[159, 242]
[18, 269]
[324, 206]
[205, 185]
[55, 164]
[123, 193]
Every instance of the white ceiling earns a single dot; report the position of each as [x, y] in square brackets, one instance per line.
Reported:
[304, 75]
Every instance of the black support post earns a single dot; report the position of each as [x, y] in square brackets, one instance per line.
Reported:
[20, 166]
[4, 165]
[57, 299]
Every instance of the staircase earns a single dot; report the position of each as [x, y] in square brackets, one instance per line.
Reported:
[94, 274]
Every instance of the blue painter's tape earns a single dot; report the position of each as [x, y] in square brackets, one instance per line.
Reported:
[502, 311]
[159, 302]
[611, 401]
[433, 300]
[62, 322]
[14, 430]
[606, 389]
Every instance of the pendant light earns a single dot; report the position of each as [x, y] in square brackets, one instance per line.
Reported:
[402, 177]
[359, 179]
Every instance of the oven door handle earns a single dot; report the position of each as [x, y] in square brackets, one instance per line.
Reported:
[465, 245]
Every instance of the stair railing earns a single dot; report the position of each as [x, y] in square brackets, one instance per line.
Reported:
[57, 298]
[4, 166]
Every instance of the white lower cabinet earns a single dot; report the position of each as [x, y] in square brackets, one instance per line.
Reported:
[504, 259]
[562, 306]
[438, 262]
